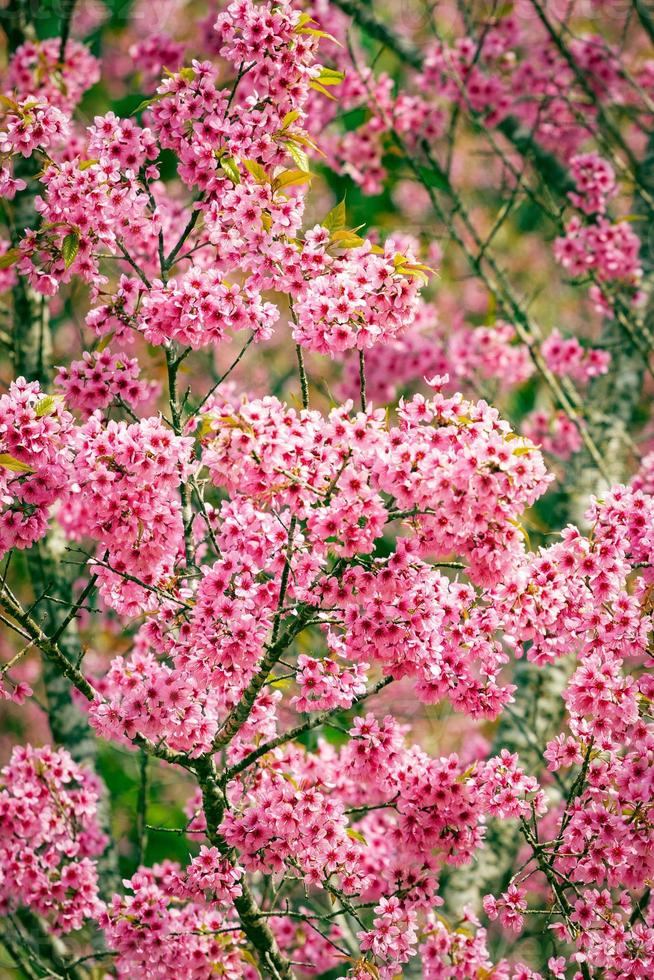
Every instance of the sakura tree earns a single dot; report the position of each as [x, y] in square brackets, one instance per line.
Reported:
[327, 471]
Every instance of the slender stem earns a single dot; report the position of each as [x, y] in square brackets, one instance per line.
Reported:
[362, 378]
[141, 810]
[273, 962]
[241, 712]
[226, 374]
[192, 221]
[293, 733]
[137, 269]
[173, 363]
[67, 8]
[304, 384]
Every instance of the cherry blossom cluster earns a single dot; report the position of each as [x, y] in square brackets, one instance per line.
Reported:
[86, 207]
[9, 187]
[362, 300]
[301, 826]
[594, 245]
[393, 936]
[471, 467]
[553, 432]
[199, 308]
[506, 790]
[359, 153]
[35, 462]
[154, 54]
[126, 498]
[595, 183]
[566, 356]
[157, 935]
[49, 837]
[141, 696]
[36, 72]
[99, 378]
[551, 601]
[457, 75]
[467, 356]
[407, 616]
[325, 685]
[509, 907]
[609, 250]
[30, 124]
[209, 873]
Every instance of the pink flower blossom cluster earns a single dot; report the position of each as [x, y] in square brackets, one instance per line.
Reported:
[362, 300]
[158, 935]
[126, 497]
[141, 696]
[282, 824]
[36, 72]
[506, 790]
[566, 356]
[31, 124]
[596, 246]
[96, 204]
[35, 461]
[155, 53]
[472, 469]
[100, 378]
[393, 936]
[325, 685]
[509, 908]
[49, 837]
[554, 433]
[606, 249]
[9, 186]
[199, 308]
[595, 183]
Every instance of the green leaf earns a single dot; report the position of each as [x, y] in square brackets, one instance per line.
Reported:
[303, 140]
[290, 177]
[11, 463]
[70, 248]
[230, 166]
[9, 258]
[187, 74]
[298, 154]
[317, 87]
[415, 269]
[45, 406]
[317, 33]
[289, 119]
[434, 177]
[7, 103]
[303, 19]
[327, 76]
[330, 76]
[523, 450]
[105, 341]
[246, 955]
[151, 101]
[347, 239]
[335, 219]
[143, 105]
[256, 170]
